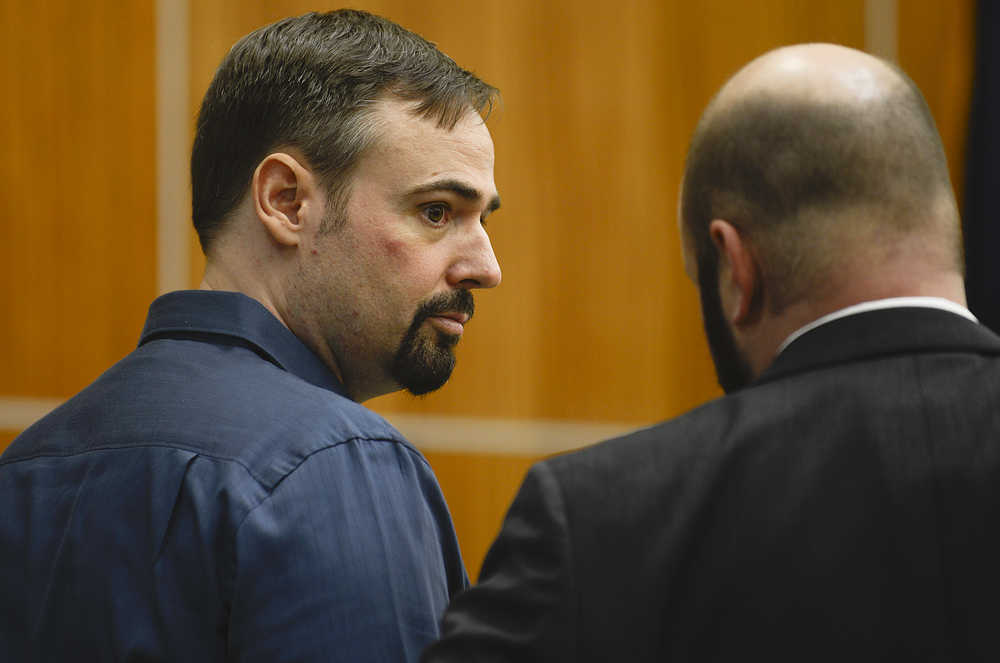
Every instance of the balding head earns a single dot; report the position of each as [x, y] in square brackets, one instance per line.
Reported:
[828, 160]
[822, 73]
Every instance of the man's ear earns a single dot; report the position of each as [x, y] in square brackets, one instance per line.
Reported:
[284, 196]
[739, 273]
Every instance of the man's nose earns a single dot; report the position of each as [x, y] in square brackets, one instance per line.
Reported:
[476, 265]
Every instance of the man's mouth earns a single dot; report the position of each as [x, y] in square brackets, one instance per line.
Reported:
[450, 322]
[447, 312]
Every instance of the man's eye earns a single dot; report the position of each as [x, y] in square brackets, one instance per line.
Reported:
[436, 213]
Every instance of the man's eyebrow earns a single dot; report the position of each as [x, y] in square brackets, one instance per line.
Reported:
[459, 188]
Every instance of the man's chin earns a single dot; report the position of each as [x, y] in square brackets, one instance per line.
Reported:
[419, 383]
[424, 363]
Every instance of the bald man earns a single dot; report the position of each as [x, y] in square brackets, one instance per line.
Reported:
[842, 501]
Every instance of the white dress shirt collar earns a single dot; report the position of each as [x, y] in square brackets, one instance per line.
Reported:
[874, 305]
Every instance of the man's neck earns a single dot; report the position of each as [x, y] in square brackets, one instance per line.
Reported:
[763, 343]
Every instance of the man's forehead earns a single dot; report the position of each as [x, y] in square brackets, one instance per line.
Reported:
[395, 118]
[412, 153]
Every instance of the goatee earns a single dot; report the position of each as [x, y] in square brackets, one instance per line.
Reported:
[425, 358]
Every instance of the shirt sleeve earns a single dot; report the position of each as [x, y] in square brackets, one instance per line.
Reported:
[351, 558]
[524, 606]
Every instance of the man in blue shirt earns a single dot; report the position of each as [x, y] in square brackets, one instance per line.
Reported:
[220, 494]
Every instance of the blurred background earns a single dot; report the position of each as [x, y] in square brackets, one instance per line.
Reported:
[595, 329]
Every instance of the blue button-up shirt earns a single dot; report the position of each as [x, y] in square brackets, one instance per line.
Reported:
[215, 497]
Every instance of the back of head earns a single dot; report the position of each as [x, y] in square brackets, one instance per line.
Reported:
[825, 158]
[308, 82]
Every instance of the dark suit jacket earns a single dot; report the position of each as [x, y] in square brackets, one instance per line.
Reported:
[844, 507]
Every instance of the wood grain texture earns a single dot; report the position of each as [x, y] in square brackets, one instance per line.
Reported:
[78, 231]
[6, 437]
[937, 50]
[478, 488]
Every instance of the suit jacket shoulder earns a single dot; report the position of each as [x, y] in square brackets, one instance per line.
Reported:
[842, 504]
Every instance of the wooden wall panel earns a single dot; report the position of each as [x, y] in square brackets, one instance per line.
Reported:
[944, 71]
[6, 437]
[77, 235]
[479, 488]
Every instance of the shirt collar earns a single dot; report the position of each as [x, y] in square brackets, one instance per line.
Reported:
[878, 304]
[235, 315]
